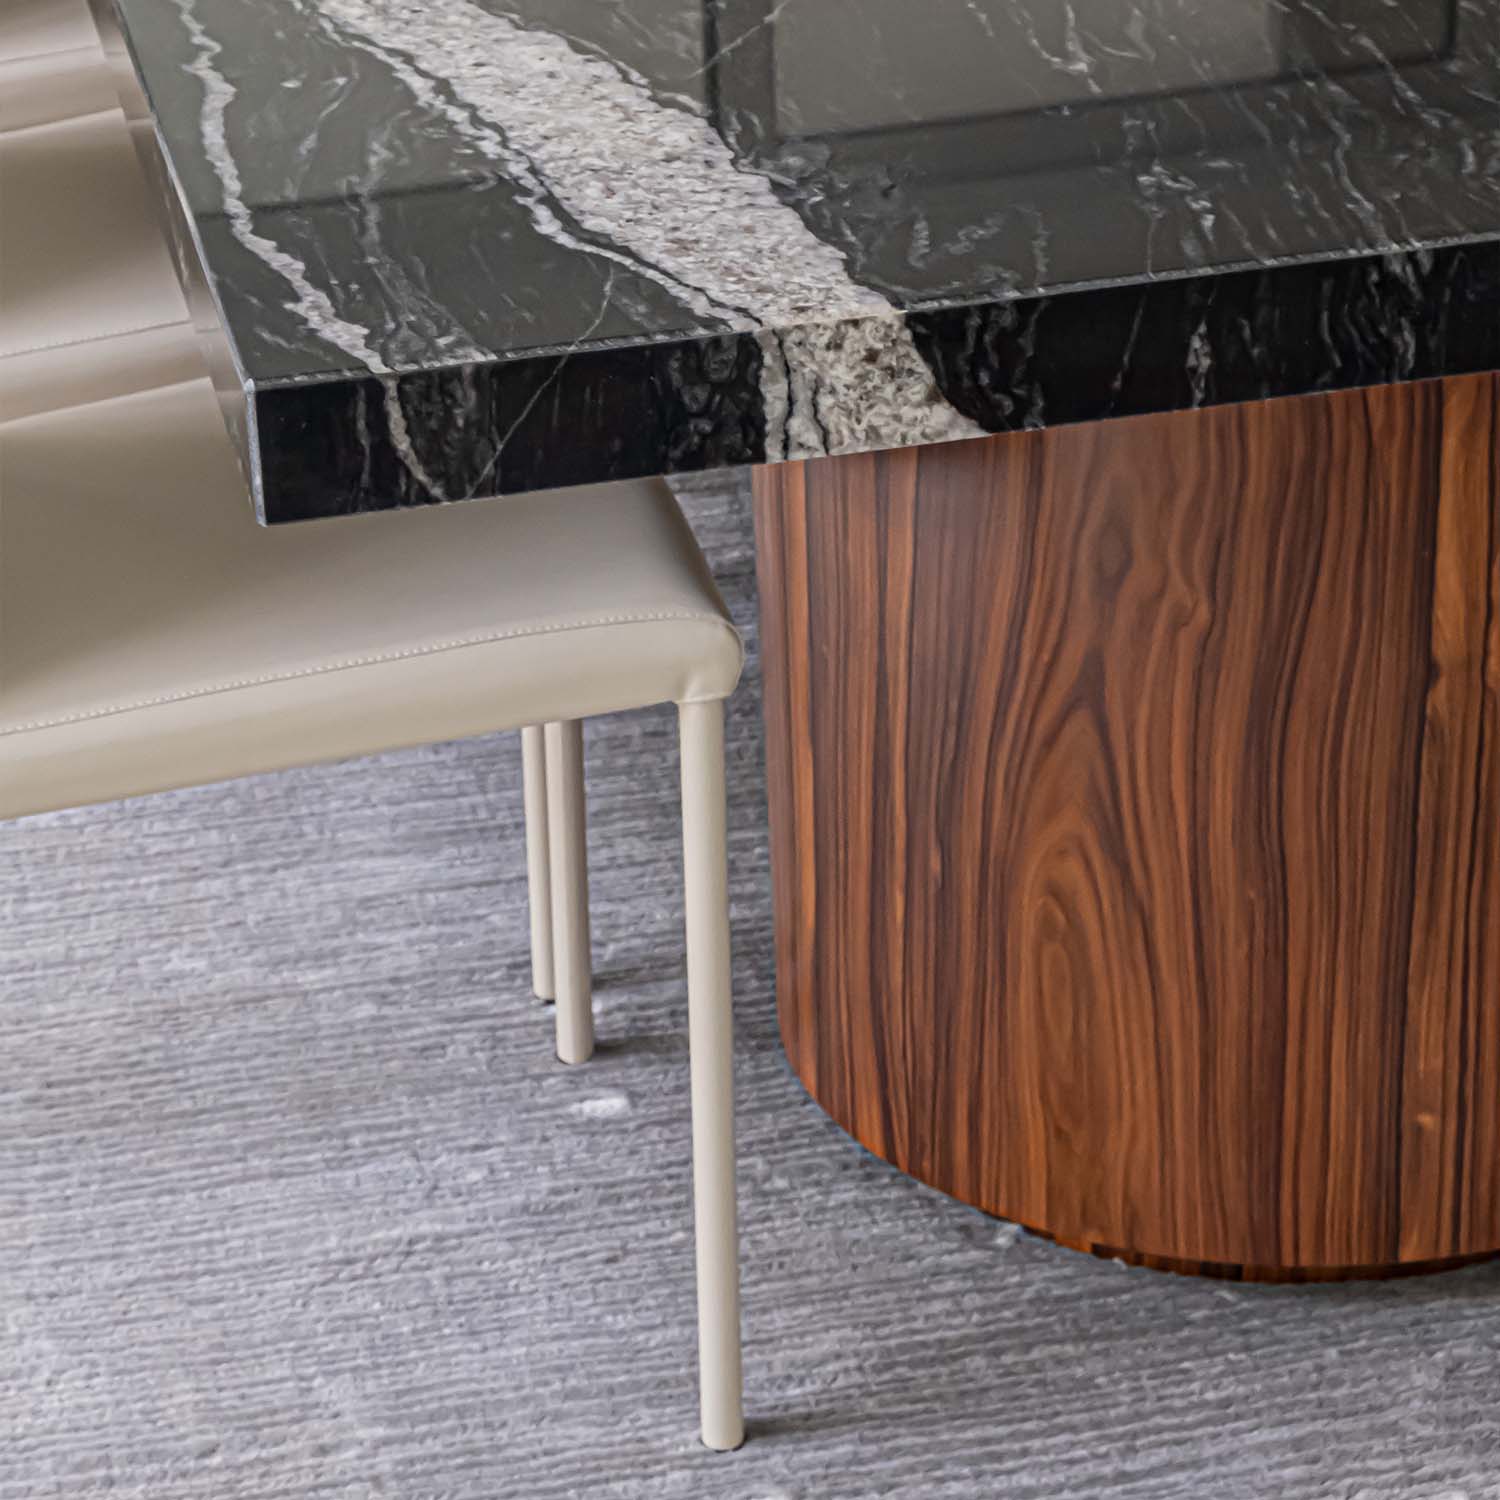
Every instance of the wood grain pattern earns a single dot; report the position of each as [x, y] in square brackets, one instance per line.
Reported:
[1136, 822]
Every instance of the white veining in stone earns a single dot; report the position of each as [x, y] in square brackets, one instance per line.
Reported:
[828, 388]
[311, 302]
[1200, 362]
[654, 185]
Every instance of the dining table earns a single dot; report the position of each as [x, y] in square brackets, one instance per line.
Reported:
[1121, 385]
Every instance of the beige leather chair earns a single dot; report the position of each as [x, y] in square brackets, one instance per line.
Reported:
[51, 67]
[89, 305]
[153, 636]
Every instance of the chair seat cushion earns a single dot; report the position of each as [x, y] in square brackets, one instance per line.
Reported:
[153, 635]
[81, 255]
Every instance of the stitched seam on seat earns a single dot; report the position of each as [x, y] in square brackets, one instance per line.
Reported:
[368, 661]
[94, 338]
[88, 114]
[91, 50]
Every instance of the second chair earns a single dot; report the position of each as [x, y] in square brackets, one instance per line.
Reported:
[153, 636]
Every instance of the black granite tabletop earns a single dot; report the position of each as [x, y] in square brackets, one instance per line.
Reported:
[468, 247]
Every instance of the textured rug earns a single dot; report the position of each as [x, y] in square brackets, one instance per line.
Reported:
[295, 1202]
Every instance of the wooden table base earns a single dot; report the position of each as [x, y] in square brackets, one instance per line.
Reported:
[1135, 796]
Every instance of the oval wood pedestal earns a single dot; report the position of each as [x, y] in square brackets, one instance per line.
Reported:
[1135, 795]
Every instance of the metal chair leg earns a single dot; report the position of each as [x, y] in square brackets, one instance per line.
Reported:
[572, 970]
[538, 862]
[711, 1045]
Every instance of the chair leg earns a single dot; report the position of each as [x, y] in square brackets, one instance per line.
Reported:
[568, 858]
[538, 863]
[711, 1047]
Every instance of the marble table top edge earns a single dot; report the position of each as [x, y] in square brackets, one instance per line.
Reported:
[477, 246]
[986, 300]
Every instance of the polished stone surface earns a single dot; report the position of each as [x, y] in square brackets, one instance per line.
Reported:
[465, 247]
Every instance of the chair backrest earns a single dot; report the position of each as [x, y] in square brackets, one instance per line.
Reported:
[90, 305]
[51, 65]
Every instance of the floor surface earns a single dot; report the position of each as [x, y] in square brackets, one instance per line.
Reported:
[296, 1203]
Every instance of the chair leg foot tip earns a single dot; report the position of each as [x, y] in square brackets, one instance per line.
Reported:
[724, 1447]
[723, 1439]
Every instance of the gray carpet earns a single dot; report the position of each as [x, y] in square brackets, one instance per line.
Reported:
[295, 1202]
